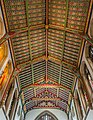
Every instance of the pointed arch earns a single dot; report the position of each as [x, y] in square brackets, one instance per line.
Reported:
[48, 113]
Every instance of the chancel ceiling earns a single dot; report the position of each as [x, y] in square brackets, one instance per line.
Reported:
[47, 46]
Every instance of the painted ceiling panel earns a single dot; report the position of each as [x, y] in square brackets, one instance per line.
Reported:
[57, 12]
[39, 91]
[39, 71]
[29, 94]
[77, 13]
[72, 47]
[25, 76]
[21, 48]
[67, 77]
[55, 43]
[36, 12]
[47, 46]
[62, 105]
[37, 41]
[16, 14]
[63, 94]
[53, 71]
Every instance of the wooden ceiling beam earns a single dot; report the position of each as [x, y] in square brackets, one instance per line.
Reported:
[46, 86]
[12, 34]
[46, 27]
[22, 65]
[79, 33]
[45, 99]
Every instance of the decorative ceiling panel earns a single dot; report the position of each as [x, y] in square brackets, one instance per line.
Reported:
[30, 105]
[53, 91]
[21, 48]
[55, 43]
[57, 12]
[28, 94]
[53, 71]
[47, 44]
[67, 77]
[36, 12]
[77, 13]
[72, 47]
[39, 71]
[40, 90]
[25, 76]
[16, 14]
[63, 94]
[63, 105]
[37, 41]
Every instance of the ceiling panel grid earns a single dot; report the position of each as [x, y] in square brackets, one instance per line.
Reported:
[48, 52]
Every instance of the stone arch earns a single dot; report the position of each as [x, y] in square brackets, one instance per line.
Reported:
[3, 53]
[48, 113]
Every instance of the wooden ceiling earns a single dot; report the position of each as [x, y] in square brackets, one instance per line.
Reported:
[47, 46]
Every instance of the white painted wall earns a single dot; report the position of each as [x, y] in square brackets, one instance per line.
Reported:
[58, 113]
[2, 116]
[90, 115]
[16, 115]
[75, 117]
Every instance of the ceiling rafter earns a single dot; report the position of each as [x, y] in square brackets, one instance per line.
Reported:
[63, 39]
[26, 2]
[46, 27]
[55, 31]
[45, 86]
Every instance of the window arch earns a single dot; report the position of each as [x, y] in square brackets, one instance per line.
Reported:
[46, 115]
[3, 53]
[6, 74]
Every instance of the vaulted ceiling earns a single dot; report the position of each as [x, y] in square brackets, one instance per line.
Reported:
[47, 46]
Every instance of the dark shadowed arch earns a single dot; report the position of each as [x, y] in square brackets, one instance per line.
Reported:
[48, 113]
